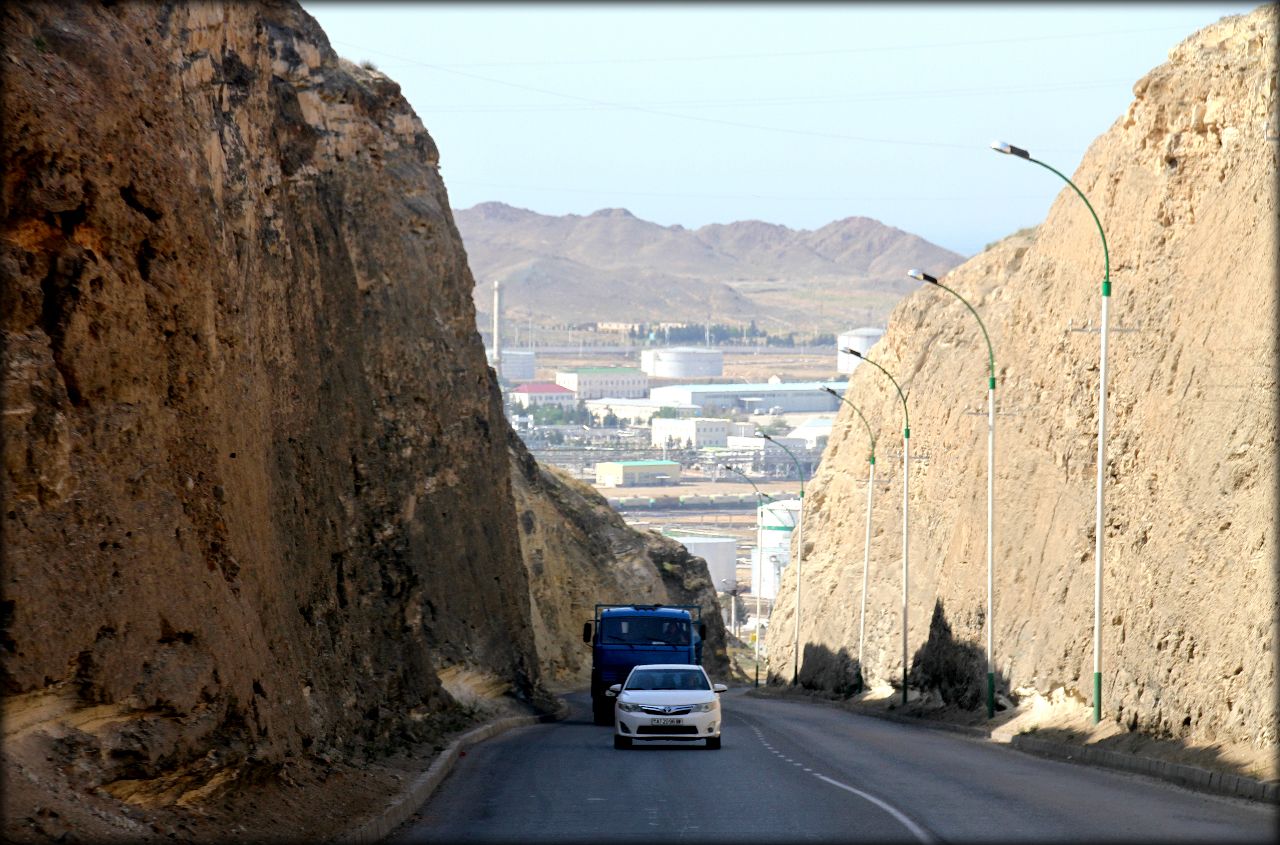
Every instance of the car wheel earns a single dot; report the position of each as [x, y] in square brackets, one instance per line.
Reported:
[713, 743]
[602, 713]
[621, 742]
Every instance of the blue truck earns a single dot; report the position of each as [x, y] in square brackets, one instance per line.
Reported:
[624, 636]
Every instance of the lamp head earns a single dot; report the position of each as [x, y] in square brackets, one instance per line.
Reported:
[766, 437]
[852, 352]
[921, 275]
[1009, 149]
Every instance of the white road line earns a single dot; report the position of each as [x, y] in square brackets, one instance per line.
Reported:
[916, 830]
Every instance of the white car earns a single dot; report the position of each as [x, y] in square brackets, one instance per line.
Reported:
[667, 701]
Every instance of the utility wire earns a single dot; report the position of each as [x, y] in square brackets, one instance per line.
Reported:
[776, 101]
[808, 53]
[900, 142]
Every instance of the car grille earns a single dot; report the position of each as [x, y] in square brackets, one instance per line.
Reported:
[665, 711]
[667, 729]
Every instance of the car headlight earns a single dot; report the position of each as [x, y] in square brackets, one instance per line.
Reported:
[628, 708]
[704, 708]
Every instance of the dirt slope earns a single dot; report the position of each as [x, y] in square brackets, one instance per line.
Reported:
[1185, 186]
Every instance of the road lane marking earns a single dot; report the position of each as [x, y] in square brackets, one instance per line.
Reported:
[916, 830]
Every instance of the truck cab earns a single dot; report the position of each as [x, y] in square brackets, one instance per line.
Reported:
[623, 636]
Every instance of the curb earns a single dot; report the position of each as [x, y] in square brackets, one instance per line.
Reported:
[403, 805]
[1191, 777]
[1180, 774]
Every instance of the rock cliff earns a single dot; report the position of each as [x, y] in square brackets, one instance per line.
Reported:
[1185, 186]
[256, 474]
[578, 552]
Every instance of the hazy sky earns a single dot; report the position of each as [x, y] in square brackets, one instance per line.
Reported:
[799, 115]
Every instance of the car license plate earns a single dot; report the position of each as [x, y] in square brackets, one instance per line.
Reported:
[666, 721]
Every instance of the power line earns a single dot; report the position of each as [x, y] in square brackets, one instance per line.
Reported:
[903, 142]
[811, 53]
[624, 192]
[778, 101]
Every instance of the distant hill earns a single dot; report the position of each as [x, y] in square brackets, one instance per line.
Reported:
[611, 265]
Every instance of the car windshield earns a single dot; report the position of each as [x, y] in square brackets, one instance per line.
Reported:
[645, 630]
[681, 679]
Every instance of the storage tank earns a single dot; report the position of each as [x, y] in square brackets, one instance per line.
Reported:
[720, 553]
[682, 362]
[777, 521]
[859, 340]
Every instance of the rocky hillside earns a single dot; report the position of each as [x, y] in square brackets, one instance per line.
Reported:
[1184, 184]
[554, 268]
[579, 552]
[256, 479]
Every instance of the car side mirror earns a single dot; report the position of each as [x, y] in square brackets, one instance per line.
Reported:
[613, 690]
[719, 688]
[586, 632]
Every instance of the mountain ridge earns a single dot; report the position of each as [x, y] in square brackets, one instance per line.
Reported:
[857, 261]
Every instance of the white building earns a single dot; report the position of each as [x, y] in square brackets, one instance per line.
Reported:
[743, 429]
[859, 340]
[517, 365]
[700, 431]
[814, 432]
[682, 362]
[777, 521]
[793, 397]
[637, 410]
[599, 382]
[542, 393]
[720, 553]
[762, 445]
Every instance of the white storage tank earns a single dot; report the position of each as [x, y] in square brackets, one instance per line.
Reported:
[859, 340]
[682, 362]
[720, 553]
[777, 522]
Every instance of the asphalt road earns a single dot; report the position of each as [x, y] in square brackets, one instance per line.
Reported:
[793, 771]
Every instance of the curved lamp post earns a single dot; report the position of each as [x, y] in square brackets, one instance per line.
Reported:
[991, 488]
[866, 553]
[755, 588]
[795, 670]
[906, 512]
[1009, 149]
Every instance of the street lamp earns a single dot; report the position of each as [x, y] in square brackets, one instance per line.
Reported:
[795, 670]
[991, 488]
[1009, 149]
[906, 504]
[755, 587]
[866, 553]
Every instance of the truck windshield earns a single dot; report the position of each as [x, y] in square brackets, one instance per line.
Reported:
[645, 630]
[680, 679]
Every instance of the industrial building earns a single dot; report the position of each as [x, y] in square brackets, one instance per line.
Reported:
[638, 411]
[814, 432]
[517, 365]
[777, 521]
[720, 553]
[599, 382]
[542, 393]
[682, 362]
[789, 398]
[699, 432]
[859, 340]
[637, 473]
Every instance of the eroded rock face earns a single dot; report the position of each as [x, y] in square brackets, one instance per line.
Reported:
[579, 552]
[1184, 184]
[255, 467]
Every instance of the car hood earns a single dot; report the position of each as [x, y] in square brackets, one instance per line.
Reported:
[663, 696]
